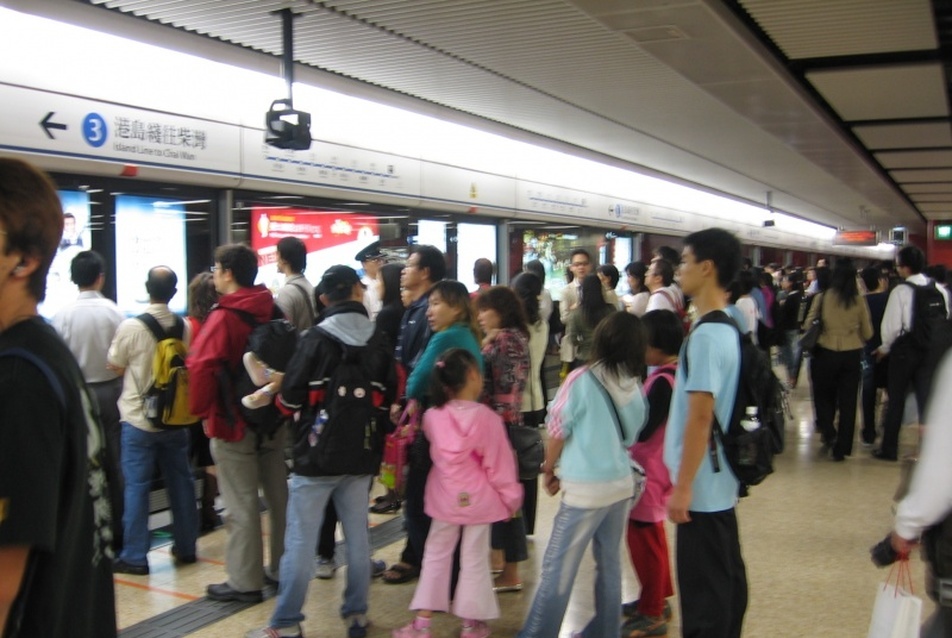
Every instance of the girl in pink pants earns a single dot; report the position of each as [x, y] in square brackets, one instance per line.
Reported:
[473, 484]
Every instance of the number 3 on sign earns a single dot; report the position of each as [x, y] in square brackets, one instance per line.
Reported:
[94, 130]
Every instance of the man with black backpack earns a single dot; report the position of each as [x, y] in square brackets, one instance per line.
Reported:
[247, 455]
[146, 439]
[915, 307]
[712, 579]
[340, 382]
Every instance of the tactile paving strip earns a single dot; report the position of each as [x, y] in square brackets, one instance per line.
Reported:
[192, 616]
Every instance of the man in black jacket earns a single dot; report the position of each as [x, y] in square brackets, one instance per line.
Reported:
[338, 444]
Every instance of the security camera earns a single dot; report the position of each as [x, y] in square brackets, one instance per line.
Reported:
[286, 127]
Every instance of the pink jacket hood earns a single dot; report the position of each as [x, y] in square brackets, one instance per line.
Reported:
[473, 480]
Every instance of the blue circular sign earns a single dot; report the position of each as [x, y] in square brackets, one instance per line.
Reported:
[94, 130]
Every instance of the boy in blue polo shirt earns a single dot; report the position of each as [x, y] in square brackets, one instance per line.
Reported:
[712, 579]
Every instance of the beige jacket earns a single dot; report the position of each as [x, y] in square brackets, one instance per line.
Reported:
[843, 328]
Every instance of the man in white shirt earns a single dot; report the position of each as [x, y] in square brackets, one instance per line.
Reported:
[581, 265]
[928, 504]
[131, 354]
[88, 325]
[905, 369]
[296, 296]
[371, 258]
[665, 295]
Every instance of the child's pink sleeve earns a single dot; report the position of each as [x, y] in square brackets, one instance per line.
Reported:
[499, 462]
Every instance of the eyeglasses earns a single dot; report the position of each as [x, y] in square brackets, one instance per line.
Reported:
[579, 263]
[212, 268]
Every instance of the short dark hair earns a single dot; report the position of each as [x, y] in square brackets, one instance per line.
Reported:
[664, 331]
[161, 284]
[483, 271]
[665, 270]
[619, 344]
[912, 258]
[871, 276]
[611, 272]
[449, 375]
[86, 268]
[32, 216]
[580, 251]
[537, 268]
[241, 261]
[293, 251]
[668, 254]
[507, 305]
[720, 247]
[432, 259]
[201, 295]
[390, 274]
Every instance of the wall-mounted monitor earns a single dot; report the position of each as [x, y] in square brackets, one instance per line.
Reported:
[855, 238]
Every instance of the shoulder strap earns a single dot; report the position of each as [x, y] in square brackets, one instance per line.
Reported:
[608, 398]
[51, 377]
[175, 332]
[307, 301]
[244, 315]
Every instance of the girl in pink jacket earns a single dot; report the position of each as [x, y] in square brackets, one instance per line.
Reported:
[473, 484]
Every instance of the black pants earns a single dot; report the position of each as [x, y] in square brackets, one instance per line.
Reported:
[905, 371]
[835, 376]
[417, 522]
[712, 578]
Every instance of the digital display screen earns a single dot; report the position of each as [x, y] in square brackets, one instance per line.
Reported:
[331, 238]
[943, 231]
[149, 232]
[77, 237]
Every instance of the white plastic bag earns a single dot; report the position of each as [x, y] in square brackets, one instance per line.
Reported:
[897, 612]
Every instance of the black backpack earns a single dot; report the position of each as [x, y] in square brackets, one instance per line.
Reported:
[749, 453]
[273, 342]
[342, 431]
[930, 335]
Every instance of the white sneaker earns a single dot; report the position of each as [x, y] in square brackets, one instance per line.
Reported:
[325, 569]
[258, 371]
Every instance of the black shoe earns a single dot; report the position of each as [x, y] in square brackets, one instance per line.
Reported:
[882, 456]
[122, 567]
[224, 593]
[179, 559]
[271, 582]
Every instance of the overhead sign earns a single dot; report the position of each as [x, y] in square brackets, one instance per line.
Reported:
[855, 238]
[943, 232]
[54, 124]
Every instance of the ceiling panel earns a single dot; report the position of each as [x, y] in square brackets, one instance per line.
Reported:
[916, 159]
[885, 92]
[912, 135]
[927, 175]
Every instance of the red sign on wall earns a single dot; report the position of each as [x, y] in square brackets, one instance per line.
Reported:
[319, 230]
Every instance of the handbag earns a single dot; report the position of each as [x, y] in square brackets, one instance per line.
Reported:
[808, 340]
[396, 448]
[896, 612]
[638, 474]
[530, 451]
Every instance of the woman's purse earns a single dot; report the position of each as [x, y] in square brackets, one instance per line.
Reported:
[530, 451]
[638, 474]
[808, 340]
[396, 447]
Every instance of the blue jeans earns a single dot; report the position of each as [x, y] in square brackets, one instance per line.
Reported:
[790, 354]
[572, 530]
[307, 501]
[141, 450]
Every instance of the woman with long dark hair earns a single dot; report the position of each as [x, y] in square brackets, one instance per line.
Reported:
[391, 308]
[505, 374]
[637, 303]
[584, 319]
[835, 369]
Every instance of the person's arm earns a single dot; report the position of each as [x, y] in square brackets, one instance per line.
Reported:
[208, 354]
[892, 322]
[419, 380]
[811, 313]
[697, 434]
[865, 322]
[13, 560]
[553, 450]
[297, 378]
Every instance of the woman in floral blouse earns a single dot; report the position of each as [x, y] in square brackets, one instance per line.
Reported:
[505, 351]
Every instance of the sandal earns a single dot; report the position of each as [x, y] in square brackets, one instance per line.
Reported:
[400, 573]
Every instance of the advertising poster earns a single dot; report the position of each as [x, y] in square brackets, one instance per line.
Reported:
[77, 237]
[331, 237]
[149, 232]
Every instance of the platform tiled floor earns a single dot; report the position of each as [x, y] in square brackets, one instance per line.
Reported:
[805, 535]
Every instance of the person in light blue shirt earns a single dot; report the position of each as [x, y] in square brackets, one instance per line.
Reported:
[712, 579]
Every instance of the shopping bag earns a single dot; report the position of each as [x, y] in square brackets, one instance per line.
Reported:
[393, 466]
[896, 612]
